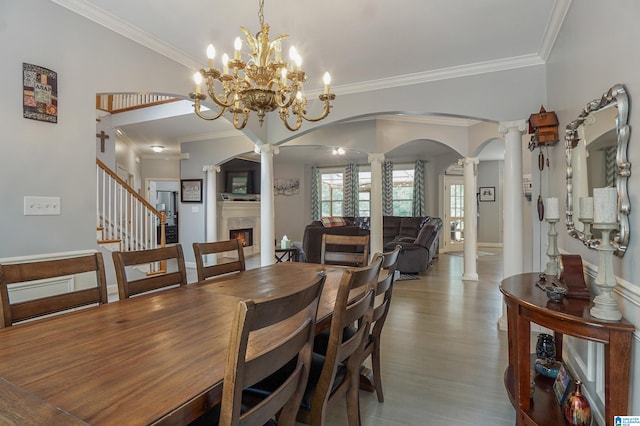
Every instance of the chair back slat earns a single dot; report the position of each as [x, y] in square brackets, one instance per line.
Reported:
[201, 250]
[50, 269]
[347, 250]
[128, 287]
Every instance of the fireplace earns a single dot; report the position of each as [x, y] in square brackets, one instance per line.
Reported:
[243, 217]
[244, 235]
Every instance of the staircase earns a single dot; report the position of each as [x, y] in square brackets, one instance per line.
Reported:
[125, 220]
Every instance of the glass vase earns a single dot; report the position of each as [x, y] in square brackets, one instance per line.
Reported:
[577, 411]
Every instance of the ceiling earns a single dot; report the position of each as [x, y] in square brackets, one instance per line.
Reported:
[364, 44]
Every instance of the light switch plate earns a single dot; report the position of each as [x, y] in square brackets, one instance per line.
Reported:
[41, 206]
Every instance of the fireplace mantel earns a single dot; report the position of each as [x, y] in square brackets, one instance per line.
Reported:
[239, 215]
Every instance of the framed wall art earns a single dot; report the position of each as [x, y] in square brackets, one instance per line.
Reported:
[487, 193]
[39, 93]
[191, 190]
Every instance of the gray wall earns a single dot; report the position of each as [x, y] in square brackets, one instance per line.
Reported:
[597, 48]
[490, 213]
[46, 159]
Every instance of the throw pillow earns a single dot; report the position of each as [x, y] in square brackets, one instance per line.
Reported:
[329, 222]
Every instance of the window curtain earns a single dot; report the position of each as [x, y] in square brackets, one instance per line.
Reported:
[351, 207]
[316, 193]
[387, 188]
[418, 189]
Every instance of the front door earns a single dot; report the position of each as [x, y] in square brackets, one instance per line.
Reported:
[454, 213]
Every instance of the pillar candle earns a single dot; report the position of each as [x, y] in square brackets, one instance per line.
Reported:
[586, 208]
[552, 208]
[605, 205]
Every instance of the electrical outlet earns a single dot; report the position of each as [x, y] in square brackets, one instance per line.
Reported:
[41, 206]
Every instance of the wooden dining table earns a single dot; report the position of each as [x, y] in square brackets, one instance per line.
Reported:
[158, 358]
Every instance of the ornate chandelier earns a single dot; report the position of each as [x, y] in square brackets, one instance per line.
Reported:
[262, 84]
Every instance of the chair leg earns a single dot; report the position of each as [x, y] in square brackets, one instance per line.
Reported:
[353, 399]
[375, 366]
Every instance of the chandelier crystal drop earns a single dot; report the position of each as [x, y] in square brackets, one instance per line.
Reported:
[262, 84]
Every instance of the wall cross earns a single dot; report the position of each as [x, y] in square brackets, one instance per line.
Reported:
[102, 136]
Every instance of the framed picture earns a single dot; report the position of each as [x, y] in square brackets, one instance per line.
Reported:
[40, 93]
[191, 190]
[239, 183]
[487, 193]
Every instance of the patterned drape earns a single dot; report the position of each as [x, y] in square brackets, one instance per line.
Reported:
[418, 189]
[387, 188]
[316, 193]
[350, 183]
[611, 166]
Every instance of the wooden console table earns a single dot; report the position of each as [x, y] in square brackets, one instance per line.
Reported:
[527, 303]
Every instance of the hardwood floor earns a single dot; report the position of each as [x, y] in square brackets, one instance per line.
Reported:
[443, 356]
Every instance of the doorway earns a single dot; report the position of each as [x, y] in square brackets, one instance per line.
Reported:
[163, 195]
[453, 213]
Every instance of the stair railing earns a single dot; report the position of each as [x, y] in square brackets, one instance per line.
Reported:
[123, 215]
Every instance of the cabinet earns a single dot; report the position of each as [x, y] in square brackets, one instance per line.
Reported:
[527, 303]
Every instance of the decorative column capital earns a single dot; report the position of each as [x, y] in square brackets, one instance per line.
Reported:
[511, 126]
[468, 161]
[211, 168]
[375, 158]
[266, 148]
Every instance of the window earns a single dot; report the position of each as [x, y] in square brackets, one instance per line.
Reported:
[332, 194]
[403, 191]
[333, 191]
[364, 194]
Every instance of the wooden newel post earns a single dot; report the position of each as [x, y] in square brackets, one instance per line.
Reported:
[163, 240]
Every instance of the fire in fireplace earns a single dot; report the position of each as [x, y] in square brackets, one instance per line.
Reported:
[244, 235]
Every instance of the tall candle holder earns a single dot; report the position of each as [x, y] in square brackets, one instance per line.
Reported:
[587, 222]
[552, 248]
[604, 305]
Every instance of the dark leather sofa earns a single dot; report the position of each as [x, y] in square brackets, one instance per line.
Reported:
[418, 236]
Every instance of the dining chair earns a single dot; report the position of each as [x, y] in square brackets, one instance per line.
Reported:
[86, 274]
[288, 322]
[124, 261]
[336, 373]
[221, 248]
[346, 250]
[384, 290]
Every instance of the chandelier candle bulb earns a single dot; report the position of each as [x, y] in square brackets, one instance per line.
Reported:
[605, 205]
[327, 80]
[197, 77]
[237, 44]
[211, 54]
[552, 208]
[225, 64]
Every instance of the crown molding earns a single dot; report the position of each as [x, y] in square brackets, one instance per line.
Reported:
[114, 23]
[442, 74]
[118, 25]
[559, 12]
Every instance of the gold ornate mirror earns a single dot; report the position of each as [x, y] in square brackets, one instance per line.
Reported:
[596, 153]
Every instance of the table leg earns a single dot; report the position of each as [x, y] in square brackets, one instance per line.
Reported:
[616, 386]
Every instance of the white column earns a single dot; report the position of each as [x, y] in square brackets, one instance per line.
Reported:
[470, 218]
[376, 239]
[513, 232]
[211, 212]
[512, 197]
[267, 211]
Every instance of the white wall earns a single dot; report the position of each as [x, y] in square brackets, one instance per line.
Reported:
[597, 48]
